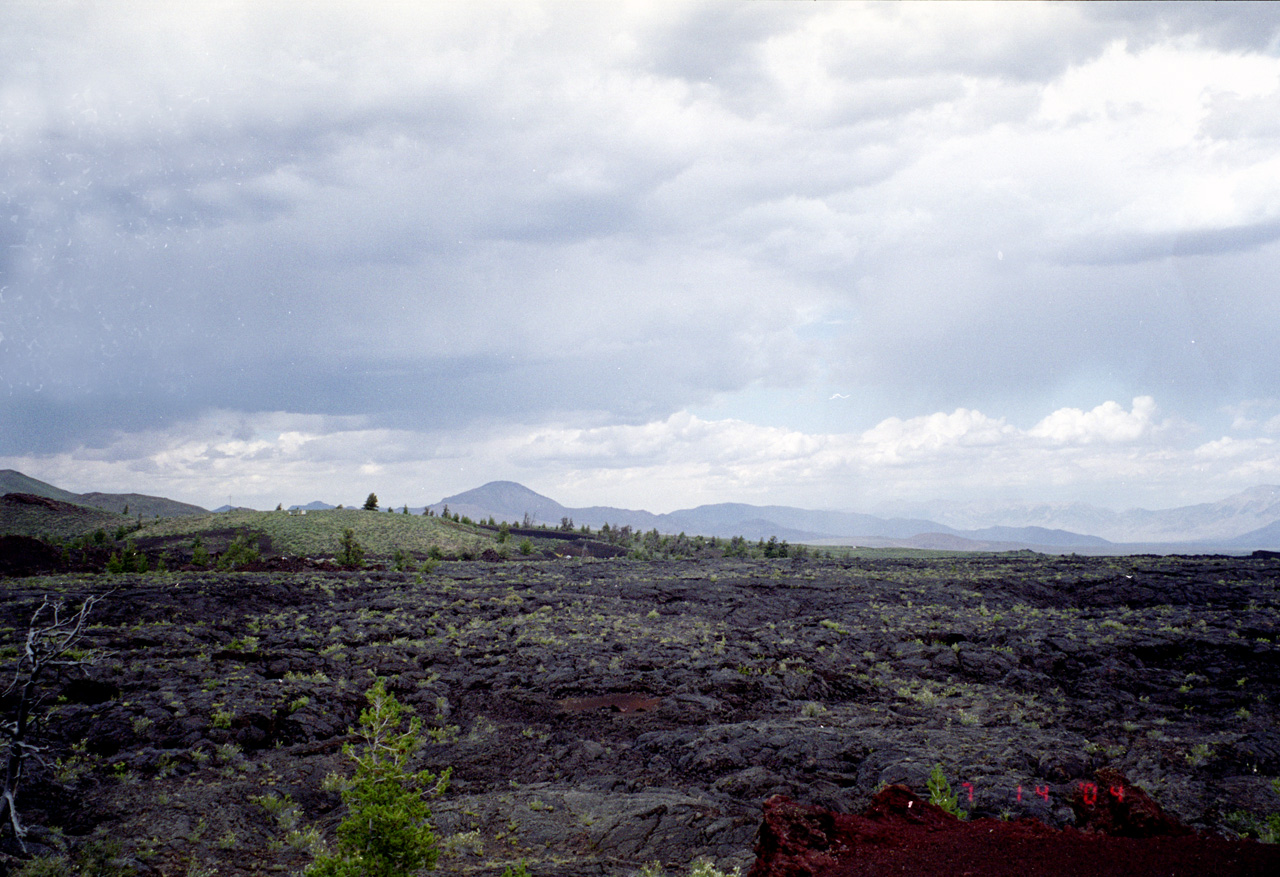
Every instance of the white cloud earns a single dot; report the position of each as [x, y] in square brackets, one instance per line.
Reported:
[578, 223]
[1108, 422]
[895, 440]
[1107, 454]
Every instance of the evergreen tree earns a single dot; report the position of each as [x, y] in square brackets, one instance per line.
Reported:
[351, 552]
[388, 831]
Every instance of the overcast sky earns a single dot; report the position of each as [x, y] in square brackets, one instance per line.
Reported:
[648, 254]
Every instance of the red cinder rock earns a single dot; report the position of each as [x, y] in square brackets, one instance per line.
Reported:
[1112, 805]
[901, 834]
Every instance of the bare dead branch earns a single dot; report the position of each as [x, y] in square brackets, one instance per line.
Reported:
[52, 644]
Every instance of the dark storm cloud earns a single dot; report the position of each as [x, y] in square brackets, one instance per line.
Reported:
[437, 216]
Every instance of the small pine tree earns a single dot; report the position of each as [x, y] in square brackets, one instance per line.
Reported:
[388, 831]
[199, 554]
[242, 550]
[941, 795]
[128, 560]
[371, 503]
[350, 552]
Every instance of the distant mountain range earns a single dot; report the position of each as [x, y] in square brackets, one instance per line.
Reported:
[314, 506]
[1237, 516]
[1243, 522]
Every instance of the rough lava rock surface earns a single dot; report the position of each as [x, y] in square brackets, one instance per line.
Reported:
[604, 714]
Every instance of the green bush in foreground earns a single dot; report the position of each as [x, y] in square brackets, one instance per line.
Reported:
[940, 794]
[388, 831]
[99, 858]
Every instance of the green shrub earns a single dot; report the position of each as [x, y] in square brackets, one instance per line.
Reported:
[526, 546]
[98, 858]
[707, 868]
[940, 794]
[388, 831]
[199, 554]
[774, 548]
[1264, 829]
[238, 553]
[128, 560]
[350, 552]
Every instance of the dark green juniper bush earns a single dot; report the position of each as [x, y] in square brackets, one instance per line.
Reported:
[199, 554]
[350, 552]
[129, 560]
[238, 553]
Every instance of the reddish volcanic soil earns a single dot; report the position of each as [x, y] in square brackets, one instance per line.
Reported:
[902, 834]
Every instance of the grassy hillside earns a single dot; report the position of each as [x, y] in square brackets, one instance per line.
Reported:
[12, 481]
[29, 515]
[140, 504]
[317, 534]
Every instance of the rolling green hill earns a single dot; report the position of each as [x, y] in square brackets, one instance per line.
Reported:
[12, 481]
[140, 504]
[27, 514]
[317, 534]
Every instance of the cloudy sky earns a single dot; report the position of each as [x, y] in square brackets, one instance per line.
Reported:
[649, 254]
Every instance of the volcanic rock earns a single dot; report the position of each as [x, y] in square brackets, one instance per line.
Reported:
[900, 833]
